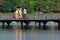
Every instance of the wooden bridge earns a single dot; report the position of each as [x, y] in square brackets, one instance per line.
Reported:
[44, 18]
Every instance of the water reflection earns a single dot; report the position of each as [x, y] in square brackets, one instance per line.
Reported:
[29, 34]
[18, 33]
[35, 34]
[7, 34]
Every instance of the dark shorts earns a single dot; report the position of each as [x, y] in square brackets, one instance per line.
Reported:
[24, 16]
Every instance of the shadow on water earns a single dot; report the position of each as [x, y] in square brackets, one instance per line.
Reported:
[6, 27]
[32, 27]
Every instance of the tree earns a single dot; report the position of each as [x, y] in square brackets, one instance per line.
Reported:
[44, 5]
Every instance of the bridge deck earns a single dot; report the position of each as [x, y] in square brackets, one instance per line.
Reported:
[46, 16]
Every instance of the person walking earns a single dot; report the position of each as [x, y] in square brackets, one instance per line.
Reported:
[25, 12]
[18, 14]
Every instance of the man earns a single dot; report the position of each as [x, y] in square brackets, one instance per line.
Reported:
[25, 12]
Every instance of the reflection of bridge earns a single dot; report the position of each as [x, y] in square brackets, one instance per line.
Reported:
[44, 18]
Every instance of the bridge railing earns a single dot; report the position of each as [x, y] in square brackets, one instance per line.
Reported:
[46, 16]
[7, 16]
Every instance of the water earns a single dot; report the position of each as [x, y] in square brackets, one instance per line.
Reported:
[6, 34]
[43, 35]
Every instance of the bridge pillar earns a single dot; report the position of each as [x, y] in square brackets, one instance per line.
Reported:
[3, 24]
[58, 25]
[26, 27]
[44, 26]
[21, 23]
[8, 22]
[26, 24]
[44, 22]
[40, 25]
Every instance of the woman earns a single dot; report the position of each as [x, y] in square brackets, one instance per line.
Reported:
[18, 14]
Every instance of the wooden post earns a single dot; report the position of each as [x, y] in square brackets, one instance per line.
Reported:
[3, 24]
[21, 23]
[44, 22]
[26, 24]
[40, 25]
[8, 23]
[58, 25]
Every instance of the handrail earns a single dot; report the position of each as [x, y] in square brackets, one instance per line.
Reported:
[46, 16]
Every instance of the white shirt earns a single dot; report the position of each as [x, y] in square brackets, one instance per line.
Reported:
[25, 11]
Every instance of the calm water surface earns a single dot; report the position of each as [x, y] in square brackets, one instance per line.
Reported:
[30, 34]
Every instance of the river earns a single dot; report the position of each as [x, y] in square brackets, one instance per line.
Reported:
[19, 34]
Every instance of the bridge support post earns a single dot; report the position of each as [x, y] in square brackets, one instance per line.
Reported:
[3, 24]
[44, 22]
[44, 26]
[26, 24]
[58, 25]
[40, 25]
[21, 23]
[8, 22]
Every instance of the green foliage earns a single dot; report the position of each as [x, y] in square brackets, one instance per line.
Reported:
[46, 5]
